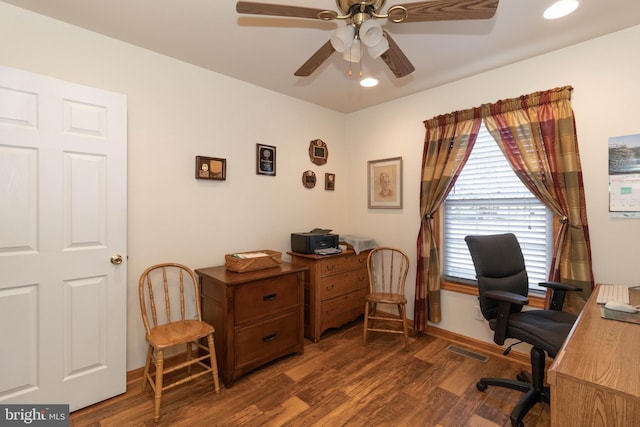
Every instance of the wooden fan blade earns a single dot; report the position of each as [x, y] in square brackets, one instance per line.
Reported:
[316, 60]
[283, 10]
[446, 10]
[396, 60]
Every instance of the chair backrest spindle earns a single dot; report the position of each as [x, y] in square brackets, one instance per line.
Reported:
[167, 303]
[152, 302]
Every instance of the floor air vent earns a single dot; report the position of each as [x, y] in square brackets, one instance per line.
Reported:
[468, 353]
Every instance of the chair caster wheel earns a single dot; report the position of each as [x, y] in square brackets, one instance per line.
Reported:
[481, 386]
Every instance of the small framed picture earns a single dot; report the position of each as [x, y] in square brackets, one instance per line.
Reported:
[384, 181]
[318, 152]
[211, 168]
[265, 160]
[330, 181]
[309, 179]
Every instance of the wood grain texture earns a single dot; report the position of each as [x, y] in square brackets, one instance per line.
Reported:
[253, 8]
[396, 60]
[595, 379]
[321, 55]
[336, 382]
[258, 315]
[335, 289]
[449, 10]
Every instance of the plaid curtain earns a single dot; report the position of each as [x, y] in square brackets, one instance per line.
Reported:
[448, 143]
[537, 134]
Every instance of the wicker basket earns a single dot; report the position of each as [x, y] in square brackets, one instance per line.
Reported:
[241, 265]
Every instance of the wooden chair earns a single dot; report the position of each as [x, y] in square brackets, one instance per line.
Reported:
[388, 268]
[173, 281]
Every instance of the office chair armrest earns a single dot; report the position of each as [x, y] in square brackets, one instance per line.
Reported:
[509, 297]
[558, 293]
[558, 285]
[506, 300]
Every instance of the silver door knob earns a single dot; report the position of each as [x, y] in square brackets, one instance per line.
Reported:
[116, 259]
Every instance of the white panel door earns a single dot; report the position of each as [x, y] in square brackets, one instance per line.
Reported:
[62, 217]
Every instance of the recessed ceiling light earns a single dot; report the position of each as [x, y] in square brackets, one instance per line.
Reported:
[369, 82]
[561, 8]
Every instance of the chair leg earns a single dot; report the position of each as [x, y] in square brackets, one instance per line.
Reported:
[159, 372]
[147, 367]
[534, 392]
[403, 316]
[537, 392]
[366, 322]
[189, 350]
[214, 363]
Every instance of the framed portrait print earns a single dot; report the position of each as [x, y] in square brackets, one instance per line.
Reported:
[211, 168]
[265, 160]
[384, 182]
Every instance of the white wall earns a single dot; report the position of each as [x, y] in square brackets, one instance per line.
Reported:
[177, 111]
[604, 75]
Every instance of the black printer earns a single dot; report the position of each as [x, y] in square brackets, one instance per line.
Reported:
[308, 243]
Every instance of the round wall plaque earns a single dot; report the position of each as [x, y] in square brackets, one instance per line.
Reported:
[318, 152]
[308, 179]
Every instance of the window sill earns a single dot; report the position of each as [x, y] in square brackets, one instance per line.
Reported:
[536, 301]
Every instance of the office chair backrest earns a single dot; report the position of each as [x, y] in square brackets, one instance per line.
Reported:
[499, 265]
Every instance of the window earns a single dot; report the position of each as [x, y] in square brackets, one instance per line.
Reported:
[488, 198]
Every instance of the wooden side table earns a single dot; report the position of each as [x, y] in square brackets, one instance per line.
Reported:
[335, 289]
[258, 315]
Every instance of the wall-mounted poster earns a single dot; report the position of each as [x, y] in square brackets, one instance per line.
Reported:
[624, 176]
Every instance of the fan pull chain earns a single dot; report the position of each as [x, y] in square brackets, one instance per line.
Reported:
[350, 73]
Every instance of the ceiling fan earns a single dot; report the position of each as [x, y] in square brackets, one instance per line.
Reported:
[362, 27]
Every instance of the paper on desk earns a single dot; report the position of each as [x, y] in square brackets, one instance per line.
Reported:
[250, 255]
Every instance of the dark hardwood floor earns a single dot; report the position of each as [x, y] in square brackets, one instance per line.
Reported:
[337, 382]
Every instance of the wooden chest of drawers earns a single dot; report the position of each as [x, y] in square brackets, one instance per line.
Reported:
[258, 315]
[335, 289]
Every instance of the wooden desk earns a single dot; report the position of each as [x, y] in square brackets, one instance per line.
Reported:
[595, 378]
[258, 315]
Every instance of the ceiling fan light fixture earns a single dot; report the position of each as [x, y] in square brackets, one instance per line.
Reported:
[342, 38]
[370, 32]
[369, 82]
[379, 49]
[561, 8]
[354, 53]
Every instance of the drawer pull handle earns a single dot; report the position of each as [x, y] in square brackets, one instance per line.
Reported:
[269, 297]
[269, 338]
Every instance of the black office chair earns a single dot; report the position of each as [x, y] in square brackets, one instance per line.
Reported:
[503, 286]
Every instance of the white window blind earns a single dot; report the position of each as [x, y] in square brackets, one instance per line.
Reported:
[488, 198]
